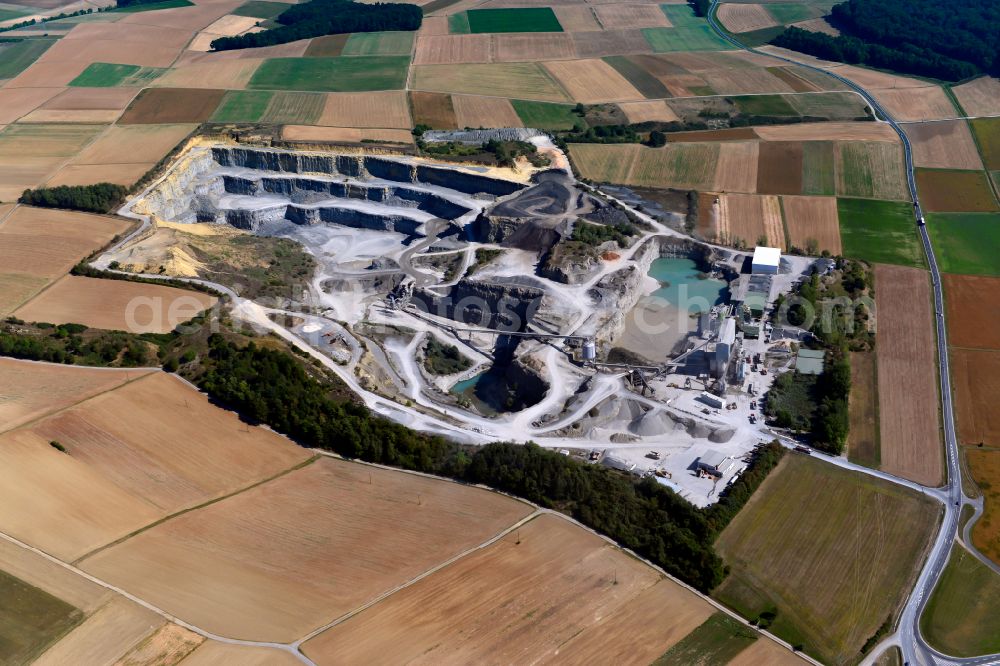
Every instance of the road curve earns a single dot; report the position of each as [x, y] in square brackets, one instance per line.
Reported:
[915, 648]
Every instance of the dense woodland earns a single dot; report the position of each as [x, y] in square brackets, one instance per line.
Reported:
[328, 17]
[99, 198]
[950, 41]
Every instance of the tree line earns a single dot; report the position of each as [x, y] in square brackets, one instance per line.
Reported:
[99, 198]
[952, 41]
[328, 17]
[272, 387]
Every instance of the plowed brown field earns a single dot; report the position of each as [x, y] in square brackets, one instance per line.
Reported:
[944, 145]
[916, 103]
[828, 132]
[549, 592]
[779, 169]
[170, 105]
[907, 377]
[592, 81]
[977, 383]
[289, 555]
[973, 308]
[813, 218]
[745, 18]
[115, 305]
[471, 111]
[387, 109]
[748, 217]
[433, 109]
[532, 47]
[980, 97]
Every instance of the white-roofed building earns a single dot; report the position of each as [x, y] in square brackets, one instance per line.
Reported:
[766, 260]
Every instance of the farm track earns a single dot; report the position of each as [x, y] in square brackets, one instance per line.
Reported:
[908, 635]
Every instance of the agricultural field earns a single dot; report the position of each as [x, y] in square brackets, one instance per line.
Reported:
[435, 110]
[30, 153]
[39, 245]
[973, 311]
[812, 222]
[118, 475]
[955, 191]
[15, 57]
[745, 17]
[115, 305]
[802, 549]
[718, 640]
[909, 423]
[300, 525]
[379, 44]
[132, 144]
[677, 165]
[987, 131]
[966, 243]
[354, 74]
[530, 19]
[780, 167]
[471, 111]
[328, 46]
[696, 38]
[222, 74]
[980, 97]
[376, 109]
[916, 104]
[870, 170]
[746, 218]
[262, 9]
[944, 145]
[975, 385]
[592, 81]
[863, 438]
[818, 168]
[962, 617]
[651, 111]
[512, 80]
[159, 106]
[105, 75]
[30, 620]
[984, 464]
[43, 388]
[558, 589]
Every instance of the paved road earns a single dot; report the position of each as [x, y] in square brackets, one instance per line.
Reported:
[908, 637]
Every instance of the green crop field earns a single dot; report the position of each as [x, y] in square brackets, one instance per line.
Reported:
[530, 19]
[987, 131]
[879, 232]
[818, 168]
[15, 57]
[261, 9]
[379, 43]
[765, 105]
[242, 106]
[824, 556]
[107, 75]
[871, 169]
[793, 12]
[966, 243]
[546, 115]
[354, 74]
[716, 641]
[12, 12]
[962, 618]
[834, 105]
[30, 620]
[696, 38]
[153, 6]
[644, 82]
[293, 108]
[682, 16]
[458, 24]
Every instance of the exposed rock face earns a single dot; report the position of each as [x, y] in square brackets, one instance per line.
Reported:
[502, 307]
[362, 167]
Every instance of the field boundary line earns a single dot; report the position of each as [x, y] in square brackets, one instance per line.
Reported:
[144, 372]
[628, 551]
[416, 579]
[177, 514]
[156, 609]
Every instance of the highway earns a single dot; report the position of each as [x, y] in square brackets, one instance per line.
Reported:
[908, 637]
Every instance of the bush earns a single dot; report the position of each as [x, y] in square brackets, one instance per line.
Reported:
[442, 359]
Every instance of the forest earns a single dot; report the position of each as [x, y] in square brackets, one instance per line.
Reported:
[327, 17]
[949, 41]
[99, 198]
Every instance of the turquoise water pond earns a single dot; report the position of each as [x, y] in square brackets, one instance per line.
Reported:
[682, 288]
